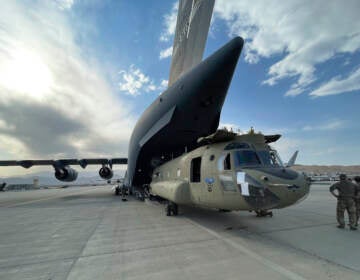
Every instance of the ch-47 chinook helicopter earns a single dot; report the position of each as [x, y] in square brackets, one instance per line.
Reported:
[175, 150]
[230, 172]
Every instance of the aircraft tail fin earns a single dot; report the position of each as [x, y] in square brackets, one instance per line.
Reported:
[192, 27]
[292, 160]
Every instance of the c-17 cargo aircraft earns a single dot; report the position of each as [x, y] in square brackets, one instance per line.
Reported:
[176, 151]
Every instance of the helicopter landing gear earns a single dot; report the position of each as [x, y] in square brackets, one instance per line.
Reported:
[171, 209]
[124, 192]
[121, 190]
[224, 210]
[263, 213]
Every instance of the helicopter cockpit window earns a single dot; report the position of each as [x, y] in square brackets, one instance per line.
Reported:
[270, 158]
[246, 158]
[234, 145]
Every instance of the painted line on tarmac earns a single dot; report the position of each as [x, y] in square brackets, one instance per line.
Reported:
[282, 270]
[46, 198]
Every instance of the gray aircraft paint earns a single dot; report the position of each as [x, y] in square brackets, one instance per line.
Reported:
[192, 27]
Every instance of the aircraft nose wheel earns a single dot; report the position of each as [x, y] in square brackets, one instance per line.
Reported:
[171, 209]
[263, 213]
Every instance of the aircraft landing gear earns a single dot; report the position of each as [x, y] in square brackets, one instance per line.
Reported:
[124, 193]
[263, 213]
[140, 196]
[171, 209]
[224, 210]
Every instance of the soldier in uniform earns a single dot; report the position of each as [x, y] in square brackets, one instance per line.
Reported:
[357, 199]
[345, 200]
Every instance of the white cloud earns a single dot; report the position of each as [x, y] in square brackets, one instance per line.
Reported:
[311, 151]
[4, 126]
[53, 101]
[246, 127]
[338, 85]
[64, 4]
[25, 72]
[230, 127]
[168, 32]
[312, 148]
[328, 126]
[305, 34]
[332, 125]
[169, 23]
[166, 53]
[164, 84]
[135, 82]
[287, 146]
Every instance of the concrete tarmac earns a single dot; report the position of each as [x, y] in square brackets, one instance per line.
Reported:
[88, 233]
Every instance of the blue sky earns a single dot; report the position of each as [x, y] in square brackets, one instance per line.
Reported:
[75, 75]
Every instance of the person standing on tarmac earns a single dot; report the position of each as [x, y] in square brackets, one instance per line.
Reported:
[345, 200]
[357, 200]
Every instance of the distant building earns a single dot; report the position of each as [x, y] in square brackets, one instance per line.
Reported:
[19, 187]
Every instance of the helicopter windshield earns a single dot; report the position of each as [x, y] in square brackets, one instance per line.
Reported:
[246, 158]
[270, 158]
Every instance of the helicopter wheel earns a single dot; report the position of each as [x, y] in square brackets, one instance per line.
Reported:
[168, 210]
[171, 209]
[175, 209]
[224, 210]
[263, 213]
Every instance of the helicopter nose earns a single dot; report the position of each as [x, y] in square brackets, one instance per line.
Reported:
[289, 192]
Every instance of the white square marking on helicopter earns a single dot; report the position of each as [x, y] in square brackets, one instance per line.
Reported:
[240, 179]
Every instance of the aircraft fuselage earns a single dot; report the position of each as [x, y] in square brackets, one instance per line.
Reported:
[242, 174]
[187, 110]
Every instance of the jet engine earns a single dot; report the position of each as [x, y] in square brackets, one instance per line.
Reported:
[106, 172]
[66, 174]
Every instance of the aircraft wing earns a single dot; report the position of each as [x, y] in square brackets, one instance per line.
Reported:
[64, 162]
[63, 171]
[192, 26]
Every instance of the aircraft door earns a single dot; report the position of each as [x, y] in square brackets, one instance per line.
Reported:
[195, 172]
[195, 179]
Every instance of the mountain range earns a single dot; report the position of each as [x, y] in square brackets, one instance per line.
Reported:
[324, 169]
